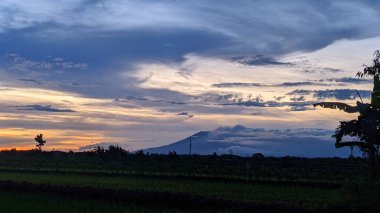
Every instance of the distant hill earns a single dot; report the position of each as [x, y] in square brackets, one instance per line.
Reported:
[240, 140]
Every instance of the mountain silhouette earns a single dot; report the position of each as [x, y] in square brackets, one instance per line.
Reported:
[244, 141]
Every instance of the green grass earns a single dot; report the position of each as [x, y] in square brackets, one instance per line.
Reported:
[305, 197]
[11, 202]
[298, 183]
[330, 169]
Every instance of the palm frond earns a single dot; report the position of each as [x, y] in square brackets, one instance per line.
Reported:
[338, 105]
[351, 143]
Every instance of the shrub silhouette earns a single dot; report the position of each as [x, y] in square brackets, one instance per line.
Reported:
[139, 152]
[172, 154]
[99, 150]
[214, 155]
[40, 142]
[114, 152]
[258, 156]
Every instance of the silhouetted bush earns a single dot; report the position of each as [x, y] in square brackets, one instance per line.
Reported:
[114, 152]
[139, 152]
[99, 150]
[258, 156]
[214, 155]
[172, 154]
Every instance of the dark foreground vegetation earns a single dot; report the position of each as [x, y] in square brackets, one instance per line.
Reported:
[118, 181]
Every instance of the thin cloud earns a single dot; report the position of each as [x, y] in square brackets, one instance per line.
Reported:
[43, 108]
[257, 60]
[284, 84]
[187, 114]
[350, 80]
[338, 94]
[323, 70]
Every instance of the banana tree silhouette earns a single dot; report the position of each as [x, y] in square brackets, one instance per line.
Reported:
[366, 128]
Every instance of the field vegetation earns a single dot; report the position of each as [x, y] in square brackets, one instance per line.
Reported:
[130, 182]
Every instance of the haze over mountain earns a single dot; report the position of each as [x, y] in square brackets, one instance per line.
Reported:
[244, 141]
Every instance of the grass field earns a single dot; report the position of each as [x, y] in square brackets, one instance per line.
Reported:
[14, 202]
[305, 197]
[71, 183]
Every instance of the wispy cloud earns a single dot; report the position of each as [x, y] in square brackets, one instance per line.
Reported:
[56, 83]
[350, 80]
[258, 60]
[284, 84]
[187, 114]
[44, 108]
[338, 94]
[17, 63]
[323, 70]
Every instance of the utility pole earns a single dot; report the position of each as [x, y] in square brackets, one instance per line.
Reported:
[190, 147]
[352, 153]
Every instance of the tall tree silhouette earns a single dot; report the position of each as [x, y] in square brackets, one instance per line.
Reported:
[366, 128]
[40, 141]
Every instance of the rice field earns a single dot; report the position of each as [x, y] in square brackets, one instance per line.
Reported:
[65, 183]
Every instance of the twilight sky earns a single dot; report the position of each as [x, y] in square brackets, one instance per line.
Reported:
[147, 73]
